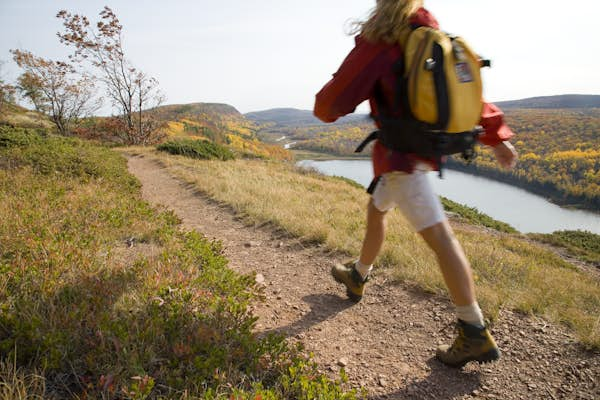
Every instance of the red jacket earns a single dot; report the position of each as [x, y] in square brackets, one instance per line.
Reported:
[370, 64]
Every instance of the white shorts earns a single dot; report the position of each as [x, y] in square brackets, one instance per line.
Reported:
[413, 195]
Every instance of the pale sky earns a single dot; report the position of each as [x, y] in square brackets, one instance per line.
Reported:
[260, 54]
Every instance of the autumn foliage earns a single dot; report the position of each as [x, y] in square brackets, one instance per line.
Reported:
[559, 155]
[7, 92]
[55, 88]
[131, 90]
[218, 123]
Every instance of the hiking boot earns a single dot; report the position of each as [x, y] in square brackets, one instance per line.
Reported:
[349, 276]
[473, 343]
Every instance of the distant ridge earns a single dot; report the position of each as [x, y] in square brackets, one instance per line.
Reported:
[560, 101]
[177, 111]
[295, 117]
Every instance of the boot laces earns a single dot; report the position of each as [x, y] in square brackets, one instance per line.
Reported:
[461, 341]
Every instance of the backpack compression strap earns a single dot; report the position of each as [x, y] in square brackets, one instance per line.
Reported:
[383, 108]
[373, 136]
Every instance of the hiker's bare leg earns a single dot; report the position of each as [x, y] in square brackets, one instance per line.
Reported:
[374, 236]
[474, 341]
[453, 262]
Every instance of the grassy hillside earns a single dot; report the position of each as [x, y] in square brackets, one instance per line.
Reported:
[205, 120]
[582, 245]
[17, 116]
[510, 272]
[218, 123]
[221, 124]
[103, 297]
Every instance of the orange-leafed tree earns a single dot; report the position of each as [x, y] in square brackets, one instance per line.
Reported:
[56, 89]
[7, 91]
[130, 90]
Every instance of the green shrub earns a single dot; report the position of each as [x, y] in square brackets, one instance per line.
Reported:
[200, 149]
[18, 137]
[351, 182]
[72, 157]
[581, 244]
[474, 216]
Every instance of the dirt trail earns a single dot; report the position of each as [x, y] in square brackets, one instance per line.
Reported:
[387, 341]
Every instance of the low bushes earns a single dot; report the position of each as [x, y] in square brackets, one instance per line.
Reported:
[475, 217]
[58, 155]
[200, 149]
[581, 244]
[102, 296]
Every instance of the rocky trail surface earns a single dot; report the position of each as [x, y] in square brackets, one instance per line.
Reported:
[386, 343]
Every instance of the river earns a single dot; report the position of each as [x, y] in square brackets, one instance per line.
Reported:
[524, 211]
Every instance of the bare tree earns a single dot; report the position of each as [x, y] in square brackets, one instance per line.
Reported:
[129, 89]
[148, 127]
[56, 89]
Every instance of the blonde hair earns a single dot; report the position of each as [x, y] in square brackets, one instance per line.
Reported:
[388, 21]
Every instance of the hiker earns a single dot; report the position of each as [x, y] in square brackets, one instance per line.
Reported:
[401, 180]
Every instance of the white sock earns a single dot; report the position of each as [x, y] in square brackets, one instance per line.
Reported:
[363, 269]
[471, 314]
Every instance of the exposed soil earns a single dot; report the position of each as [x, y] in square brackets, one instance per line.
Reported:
[387, 342]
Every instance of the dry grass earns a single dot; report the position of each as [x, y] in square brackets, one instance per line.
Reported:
[18, 384]
[509, 272]
[18, 116]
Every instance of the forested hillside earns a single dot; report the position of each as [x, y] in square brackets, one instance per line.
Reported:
[559, 155]
[339, 140]
[553, 102]
[219, 123]
[295, 117]
[206, 120]
[300, 129]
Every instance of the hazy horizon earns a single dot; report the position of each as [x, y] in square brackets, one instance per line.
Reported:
[366, 111]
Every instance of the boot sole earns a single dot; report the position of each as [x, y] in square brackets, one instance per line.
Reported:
[486, 358]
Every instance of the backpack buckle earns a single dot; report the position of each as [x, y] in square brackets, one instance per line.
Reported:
[430, 64]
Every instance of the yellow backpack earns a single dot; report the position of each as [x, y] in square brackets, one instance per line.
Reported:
[440, 95]
[444, 85]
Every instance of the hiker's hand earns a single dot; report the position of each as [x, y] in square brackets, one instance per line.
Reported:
[505, 154]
